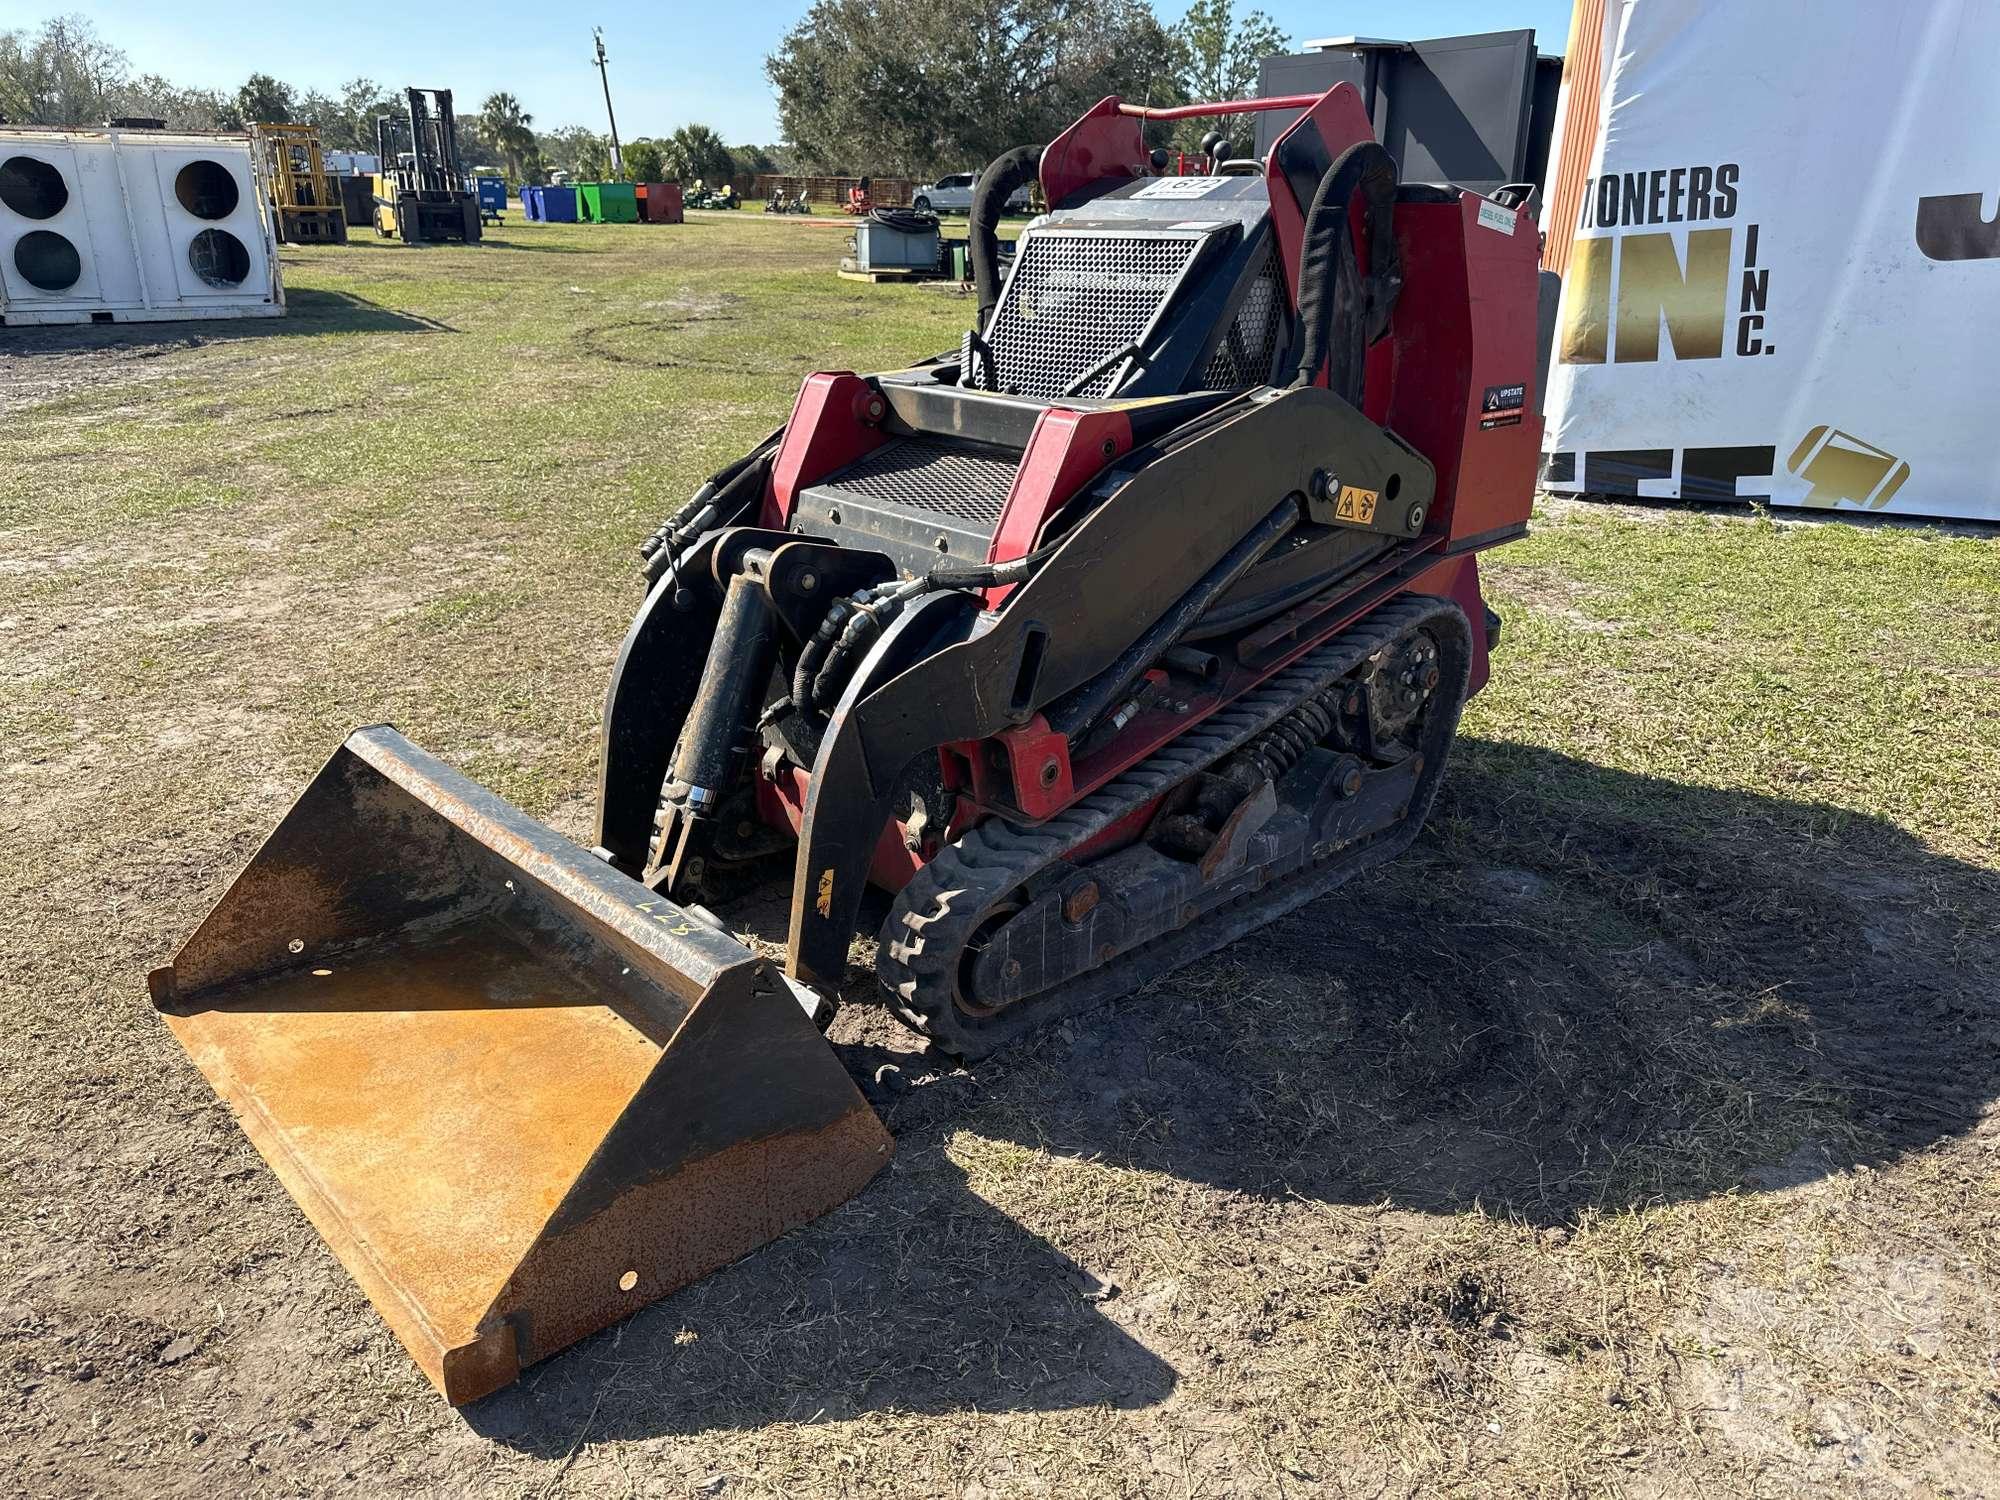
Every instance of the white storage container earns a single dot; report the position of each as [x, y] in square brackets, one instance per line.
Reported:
[119, 226]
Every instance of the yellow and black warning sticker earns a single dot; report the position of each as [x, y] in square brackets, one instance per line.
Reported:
[1356, 504]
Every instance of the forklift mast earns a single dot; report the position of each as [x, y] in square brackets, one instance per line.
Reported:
[432, 152]
[434, 140]
[427, 198]
[306, 207]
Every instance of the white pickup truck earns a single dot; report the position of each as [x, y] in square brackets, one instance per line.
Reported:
[953, 194]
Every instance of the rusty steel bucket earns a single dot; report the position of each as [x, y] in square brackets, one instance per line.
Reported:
[518, 1094]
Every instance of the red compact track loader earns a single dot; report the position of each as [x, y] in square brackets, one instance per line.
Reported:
[1142, 617]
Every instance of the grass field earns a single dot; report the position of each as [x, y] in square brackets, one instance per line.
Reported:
[1634, 1134]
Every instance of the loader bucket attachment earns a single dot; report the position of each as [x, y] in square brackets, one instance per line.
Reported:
[518, 1094]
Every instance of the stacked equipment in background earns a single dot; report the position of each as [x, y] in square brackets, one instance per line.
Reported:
[420, 193]
[306, 206]
[120, 226]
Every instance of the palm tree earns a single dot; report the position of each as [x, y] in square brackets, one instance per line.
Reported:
[593, 160]
[506, 125]
[695, 151]
[643, 162]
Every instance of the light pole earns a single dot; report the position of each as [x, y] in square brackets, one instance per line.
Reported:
[603, 73]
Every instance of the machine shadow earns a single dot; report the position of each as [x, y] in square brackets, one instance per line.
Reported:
[307, 311]
[500, 242]
[1582, 989]
[917, 1296]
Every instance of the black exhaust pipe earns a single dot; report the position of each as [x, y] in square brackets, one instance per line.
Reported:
[997, 184]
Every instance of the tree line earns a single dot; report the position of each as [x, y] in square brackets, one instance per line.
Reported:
[64, 73]
[892, 87]
[914, 87]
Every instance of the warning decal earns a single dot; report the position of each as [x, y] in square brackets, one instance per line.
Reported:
[1356, 504]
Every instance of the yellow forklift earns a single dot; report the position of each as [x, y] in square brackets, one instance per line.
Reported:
[420, 192]
[305, 203]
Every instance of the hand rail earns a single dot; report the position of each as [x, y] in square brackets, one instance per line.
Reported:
[1228, 107]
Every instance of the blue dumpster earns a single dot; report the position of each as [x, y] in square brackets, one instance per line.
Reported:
[559, 205]
[492, 198]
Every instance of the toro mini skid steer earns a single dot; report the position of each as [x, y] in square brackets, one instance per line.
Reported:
[1140, 619]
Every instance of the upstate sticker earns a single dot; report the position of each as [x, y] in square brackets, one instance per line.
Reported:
[1501, 405]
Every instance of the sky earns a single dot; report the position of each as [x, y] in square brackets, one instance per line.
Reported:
[672, 62]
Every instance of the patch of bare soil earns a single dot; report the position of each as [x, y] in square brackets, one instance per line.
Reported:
[42, 365]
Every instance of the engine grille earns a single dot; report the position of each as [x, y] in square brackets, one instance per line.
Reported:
[1075, 300]
[935, 475]
[1245, 353]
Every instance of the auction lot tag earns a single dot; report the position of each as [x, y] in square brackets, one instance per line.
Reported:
[1180, 187]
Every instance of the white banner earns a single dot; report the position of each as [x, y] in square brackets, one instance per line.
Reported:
[1784, 274]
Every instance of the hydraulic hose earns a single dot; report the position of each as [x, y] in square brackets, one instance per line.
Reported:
[1075, 712]
[1002, 178]
[871, 615]
[1340, 313]
[688, 520]
[868, 621]
[726, 493]
[989, 575]
[852, 623]
[815, 652]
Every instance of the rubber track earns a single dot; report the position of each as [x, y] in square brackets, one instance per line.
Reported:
[941, 909]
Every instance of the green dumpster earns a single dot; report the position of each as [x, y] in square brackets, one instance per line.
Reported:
[618, 202]
[607, 203]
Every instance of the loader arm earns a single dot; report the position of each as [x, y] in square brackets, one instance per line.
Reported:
[1162, 527]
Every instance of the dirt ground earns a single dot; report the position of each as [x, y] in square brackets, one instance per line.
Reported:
[1636, 1134]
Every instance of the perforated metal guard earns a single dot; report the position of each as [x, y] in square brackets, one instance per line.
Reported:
[1074, 300]
[1245, 353]
[934, 475]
